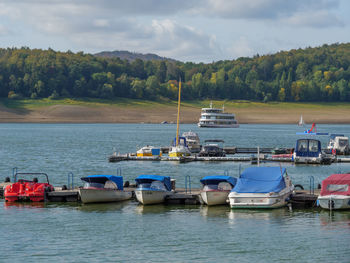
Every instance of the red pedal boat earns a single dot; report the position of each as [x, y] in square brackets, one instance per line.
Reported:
[26, 190]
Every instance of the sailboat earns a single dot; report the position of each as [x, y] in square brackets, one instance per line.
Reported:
[301, 121]
[179, 149]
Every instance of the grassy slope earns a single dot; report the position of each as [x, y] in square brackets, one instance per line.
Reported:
[151, 111]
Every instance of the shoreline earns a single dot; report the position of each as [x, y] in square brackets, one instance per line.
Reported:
[251, 113]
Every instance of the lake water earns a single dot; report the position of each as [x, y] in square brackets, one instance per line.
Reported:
[128, 232]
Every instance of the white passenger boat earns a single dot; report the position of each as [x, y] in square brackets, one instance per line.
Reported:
[261, 187]
[103, 188]
[217, 118]
[149, 151]
[193, 142]
[335, 192]
[152, 189]
[216, 188]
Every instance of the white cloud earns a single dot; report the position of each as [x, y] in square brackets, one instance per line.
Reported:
[317, 19]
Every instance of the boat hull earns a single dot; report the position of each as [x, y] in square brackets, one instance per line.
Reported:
[214, 197]
[148, 197]
[103, 195]
[265, 201]
[201, 125]
[331, 202]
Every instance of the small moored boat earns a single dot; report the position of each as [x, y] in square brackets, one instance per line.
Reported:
[193, 142]
[28, 190]
[335, 192]
[149, 151]
[216, 189]
[103, 188]
[310, 151]
[152, 189]
[261, 187]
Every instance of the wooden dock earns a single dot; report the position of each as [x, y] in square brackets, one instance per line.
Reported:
[301, 199]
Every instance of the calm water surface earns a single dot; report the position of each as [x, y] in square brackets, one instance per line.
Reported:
[127, 232]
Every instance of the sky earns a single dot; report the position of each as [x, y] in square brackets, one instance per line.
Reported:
[186, 30]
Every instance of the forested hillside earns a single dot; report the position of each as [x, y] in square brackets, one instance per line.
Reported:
[312, 74]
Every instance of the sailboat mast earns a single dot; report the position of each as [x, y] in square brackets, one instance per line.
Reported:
[178, 115]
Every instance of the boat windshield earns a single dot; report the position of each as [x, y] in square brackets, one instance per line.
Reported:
[93, 185]
[337, 187]
[208, 187]
[222, 186]
[313, 146]
[343, 143]
[302, 146]
[110, 185]
[156, 185]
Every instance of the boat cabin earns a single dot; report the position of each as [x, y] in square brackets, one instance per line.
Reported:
[339, 144]
[308, 148]
[103, 182]
[218, 183]
[153, 182]
[336, 184]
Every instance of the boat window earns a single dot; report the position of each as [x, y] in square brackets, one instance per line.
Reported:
[111, 185]
[158, 185]
[210, 187]
[93, 185]
[144, 185]
[313, 146]
[337, 187]
[302, 146]
[225, 186]
[343, 143]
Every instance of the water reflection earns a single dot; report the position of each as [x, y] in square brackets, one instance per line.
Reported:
[328, 218]
[162, 208]
[214, 211]
[103, 207]
[262, 214]
[25, 205]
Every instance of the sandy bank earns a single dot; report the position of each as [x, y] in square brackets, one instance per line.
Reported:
[131, 114]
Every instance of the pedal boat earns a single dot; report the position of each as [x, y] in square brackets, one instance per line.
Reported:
[26, 190]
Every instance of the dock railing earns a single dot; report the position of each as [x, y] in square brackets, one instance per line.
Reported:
[188, 183]
[70, 178]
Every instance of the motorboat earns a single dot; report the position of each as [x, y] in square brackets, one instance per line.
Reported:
[309, 151]
[261, 187]
[28, 190]
[217, 118]
[338, 144]
[193, 142]
[212, 148]
[103, 188]
[149, 151]
[215, 189]
[179, 148]
[335, 192]
[152, 189]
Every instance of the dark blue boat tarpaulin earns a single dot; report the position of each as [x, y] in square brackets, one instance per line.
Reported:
[216, 179]
[145, 178]
[261, 180]
[102, 179]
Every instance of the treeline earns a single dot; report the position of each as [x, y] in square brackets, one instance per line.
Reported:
[312, 74]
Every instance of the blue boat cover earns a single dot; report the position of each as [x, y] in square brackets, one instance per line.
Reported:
[260, 180]
[216, 179]
[102, 179]
[145, 178]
